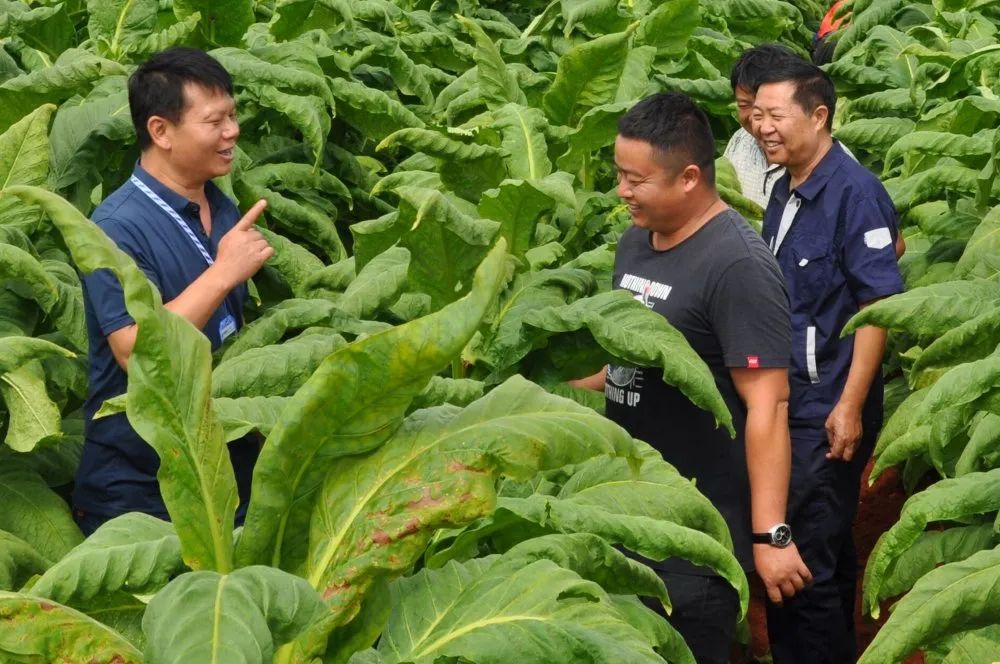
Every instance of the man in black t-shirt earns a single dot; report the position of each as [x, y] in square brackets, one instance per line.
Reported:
[690, 258]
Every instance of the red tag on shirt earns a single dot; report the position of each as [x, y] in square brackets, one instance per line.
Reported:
[753, 362]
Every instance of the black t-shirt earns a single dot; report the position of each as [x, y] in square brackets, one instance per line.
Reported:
[722, 289]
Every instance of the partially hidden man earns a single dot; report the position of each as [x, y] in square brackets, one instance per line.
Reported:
[696, 262]
[191, 242]
[833, 230]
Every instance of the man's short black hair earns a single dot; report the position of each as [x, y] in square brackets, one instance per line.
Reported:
[813, 86]
[157, 86]
[754, 62]
[676, 129]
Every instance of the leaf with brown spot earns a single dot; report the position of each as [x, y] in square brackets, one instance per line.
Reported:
[369, 522]
[32, 629]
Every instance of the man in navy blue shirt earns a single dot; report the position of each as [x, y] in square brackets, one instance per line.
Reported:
[189, 240]
[833, 229]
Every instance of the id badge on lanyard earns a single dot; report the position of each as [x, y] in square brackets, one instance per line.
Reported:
[227, 326]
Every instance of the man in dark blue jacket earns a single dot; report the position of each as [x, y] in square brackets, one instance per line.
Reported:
[833, 229]
[189, 240]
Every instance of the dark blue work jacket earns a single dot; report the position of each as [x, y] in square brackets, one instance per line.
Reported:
[117, 471]
[838, 253]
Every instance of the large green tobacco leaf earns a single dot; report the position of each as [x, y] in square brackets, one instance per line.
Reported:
[979, 257]
[595, 560]
[445, 244]
[228, 619]
[669, 26]
[507, 341]
[948, 499]
[983, 449]
[277, 370]
[16, 351]
[979, 645]
[497, 84]
[173, 35]
[38, 630]
[24, 159]
[293, 315]
[520, 204]
[596, 129]
[436, 144]
[931, 550]
[930, 310]
[972, 340]
[18, 561]
[500, 608]
[245, 414]
[168, 395]
[117, 24]
[81, 133]
[54, 285]
[223, 22]
[248, 69]
[32, 415]
[878, 12]
[939, 144]
[308, 113]
[301, 219]
[956, 597]
[35, 514]
[439, 471]
[371, 111]
[133, 552]
[588, 76]
[523, 133]
[875, 134]
[354, 402]
[932, 184]
[293, 262]
[960, 386]
[655, 539]
[378, 284]
[74, 72]
[630, 332]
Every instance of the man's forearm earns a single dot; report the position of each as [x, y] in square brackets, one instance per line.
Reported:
[769, 460]
[201, 299]
[869, 346]
[594, 382]
[196, 303]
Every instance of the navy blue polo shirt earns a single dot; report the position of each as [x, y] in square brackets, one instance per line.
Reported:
[117, 472]
[836, 249]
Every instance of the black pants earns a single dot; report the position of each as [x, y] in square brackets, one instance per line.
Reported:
[705, 610]
[817, 625]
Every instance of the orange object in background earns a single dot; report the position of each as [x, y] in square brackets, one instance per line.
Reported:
[830, 22]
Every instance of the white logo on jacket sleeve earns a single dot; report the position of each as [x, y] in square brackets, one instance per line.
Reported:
[880, 238]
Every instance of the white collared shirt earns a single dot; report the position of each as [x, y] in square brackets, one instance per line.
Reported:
[756, 176]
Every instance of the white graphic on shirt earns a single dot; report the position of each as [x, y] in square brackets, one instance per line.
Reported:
[624, 385]
[880, 238]
[646, 290]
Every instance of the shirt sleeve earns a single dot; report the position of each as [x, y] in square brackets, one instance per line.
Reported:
[869, 251]
[749, 309]
[104, 290]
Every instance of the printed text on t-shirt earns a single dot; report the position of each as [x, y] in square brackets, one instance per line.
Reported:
[645, 289]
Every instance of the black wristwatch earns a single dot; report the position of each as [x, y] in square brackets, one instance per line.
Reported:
[779, 535]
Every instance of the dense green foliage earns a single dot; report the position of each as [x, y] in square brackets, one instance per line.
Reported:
[920, 84]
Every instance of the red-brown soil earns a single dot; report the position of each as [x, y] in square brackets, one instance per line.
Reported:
[878, 509]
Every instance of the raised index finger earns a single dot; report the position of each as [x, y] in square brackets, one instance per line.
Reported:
[250, 218]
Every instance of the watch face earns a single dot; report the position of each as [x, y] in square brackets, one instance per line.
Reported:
[781, 535]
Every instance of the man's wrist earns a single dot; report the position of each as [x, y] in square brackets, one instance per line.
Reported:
[779, 536]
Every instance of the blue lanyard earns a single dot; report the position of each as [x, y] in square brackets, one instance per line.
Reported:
[172, 213]
[227, 326]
